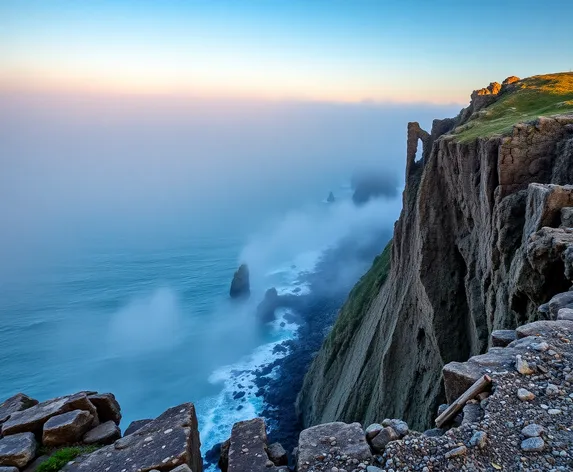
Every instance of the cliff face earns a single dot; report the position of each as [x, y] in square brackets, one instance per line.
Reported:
[462, 264]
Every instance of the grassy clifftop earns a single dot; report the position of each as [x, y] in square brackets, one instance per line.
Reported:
[526, 100]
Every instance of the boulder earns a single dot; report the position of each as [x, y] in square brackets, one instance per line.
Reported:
[33, 466]
[565, 314]
[502, 337]
[17, 450]
[380, 441]
[350, 439]
[277, 454]
[165, 443]
[240, 286]
[107, 407]
[567, 217]
[473, 413]
[16, 403]
[247, 448]
[559, 301]
[67, 428]
[135, 426]
[104, 434]
[32, 419]
[545, 328]
[373, 430]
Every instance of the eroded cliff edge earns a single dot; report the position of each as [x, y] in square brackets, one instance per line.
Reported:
[462, 260]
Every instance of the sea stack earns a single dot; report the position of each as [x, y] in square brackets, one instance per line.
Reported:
[331, 198]
[240, 286]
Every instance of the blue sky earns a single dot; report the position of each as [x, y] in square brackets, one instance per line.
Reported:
[412, 50]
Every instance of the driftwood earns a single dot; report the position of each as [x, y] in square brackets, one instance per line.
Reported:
[479, 386]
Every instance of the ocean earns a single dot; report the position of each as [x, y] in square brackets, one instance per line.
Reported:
[154, 323]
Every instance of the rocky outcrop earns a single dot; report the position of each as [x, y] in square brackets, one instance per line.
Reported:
[478, 247]
[168, 442]
[240, 286]
[266, 309]
[330, 198]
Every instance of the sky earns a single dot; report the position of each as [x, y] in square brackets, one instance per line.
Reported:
[311, 50]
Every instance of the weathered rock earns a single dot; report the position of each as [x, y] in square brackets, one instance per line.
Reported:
[502, 337]
[17, 450]
[456, 452]
[240, 286]
[350, 440]
[104, 434]
[136, 426]
[434, 432]
[545, 328]
[277, 454]
[107, 407]
[532, 430]
[472, 413]
[380, 441]
[373, 430]
[169, 441]
[525, 395]
[533, 445]
[16, 403]
[8, 469]
[479, 440]
[565, 314]
[224, 457]
[522, 366]
[247, 449]
[67, 428]
[32, 419]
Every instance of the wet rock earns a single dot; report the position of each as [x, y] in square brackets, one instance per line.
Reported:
[533, 445]
[16, 403]
[224, 457]
[32, 419]
[277, 454]
[240, 286]
[17, 450]
[167, 442]
[266, 309]
[532, 430]
[107, 407]
[136, 425]
[385, 436]
[104, 434]
[502, 337]
[350, 440]
[67, 428]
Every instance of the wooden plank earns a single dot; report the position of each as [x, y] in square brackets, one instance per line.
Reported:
[479, 386]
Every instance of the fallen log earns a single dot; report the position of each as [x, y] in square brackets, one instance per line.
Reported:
[479, 386]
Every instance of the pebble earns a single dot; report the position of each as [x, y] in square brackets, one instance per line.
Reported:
[554, 411]
[458, 451]
[551, 390]
[524, 395]
[533, 445]
[478, 439]
[532, 431]
[522, 366]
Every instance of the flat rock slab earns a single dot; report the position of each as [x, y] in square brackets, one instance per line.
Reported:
[17, 450]
[546, 329]
[9, 469]
[167, 442]
[247, 449]
[502, 337]
[67, 428]
[31, 420]
[107, 407]
[16, 403]
[104, 434]
[316, 441]
[136, 426]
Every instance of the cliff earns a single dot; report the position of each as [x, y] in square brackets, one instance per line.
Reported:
[476, 249]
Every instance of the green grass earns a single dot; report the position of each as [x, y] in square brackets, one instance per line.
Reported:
[358, 303]
[542, 95]
[62, 456]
